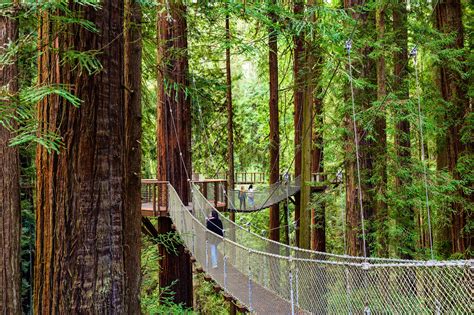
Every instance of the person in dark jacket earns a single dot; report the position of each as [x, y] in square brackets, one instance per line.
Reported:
[214, 224]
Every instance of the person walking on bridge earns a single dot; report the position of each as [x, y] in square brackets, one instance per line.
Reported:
[214, 224]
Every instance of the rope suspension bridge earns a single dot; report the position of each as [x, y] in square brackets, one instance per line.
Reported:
[271, 277]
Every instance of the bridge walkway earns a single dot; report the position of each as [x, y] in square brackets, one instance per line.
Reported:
[270, 277]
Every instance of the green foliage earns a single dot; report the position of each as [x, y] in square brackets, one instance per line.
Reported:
[155, 299]
[207, 301]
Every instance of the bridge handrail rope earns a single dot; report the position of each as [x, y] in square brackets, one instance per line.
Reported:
[334, 283]
[263, 197]
[257, 242]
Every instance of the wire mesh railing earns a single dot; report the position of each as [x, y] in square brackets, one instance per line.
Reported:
[267, 276]
[248, 201]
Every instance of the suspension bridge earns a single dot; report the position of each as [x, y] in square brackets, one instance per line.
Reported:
[271, 277]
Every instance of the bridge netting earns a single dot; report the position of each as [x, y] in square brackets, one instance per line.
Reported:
[262, 197]
[267, 276]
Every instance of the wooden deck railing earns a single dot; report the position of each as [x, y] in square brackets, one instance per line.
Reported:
[155, 196]
[213, 190]
[333, 178]
[246, 177]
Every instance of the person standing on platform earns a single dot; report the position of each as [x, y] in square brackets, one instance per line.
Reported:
[242, 198]
[214, 224]
[251, 196]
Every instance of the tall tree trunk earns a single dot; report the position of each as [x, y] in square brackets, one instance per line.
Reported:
[380, 145]
[133, 132]
[174, 138]
[230, 129]
[306, 157]
[81, 199]
[363, 100]
[298, 99]
[314, 64]
[230, 113]
[274, 124]
[10, 215]
[454, 91]
[405, 214]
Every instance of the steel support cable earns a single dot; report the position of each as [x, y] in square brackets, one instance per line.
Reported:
[377, 260]
[356, 143]
[179, 146]
[305, 132]
[414, 54]
[382, 102]
[211, 155]
[455, 277]
[348, 47]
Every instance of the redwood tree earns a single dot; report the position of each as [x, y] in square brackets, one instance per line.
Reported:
[82, 262]
[274, 226]
[133, 131]
[314, 88]
[451, 149]
[405, 214]
[174, 138]
[380, 144]
[230, 112]
[298, 99]
[364, 96]
[10, 215]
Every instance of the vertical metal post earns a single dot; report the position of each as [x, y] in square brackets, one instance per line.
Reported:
[287, 180]
[207, 253]
[250, 282]
[296, 288]
[182, 224]
[194, 239]
[292, 300]
[225, 272]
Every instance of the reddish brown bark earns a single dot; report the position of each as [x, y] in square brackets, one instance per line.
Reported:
[314, 64]
[230, 114]
[174, 138]
[380, 144]
[318, 218]
[448, 20]
[405, 214]
[133, 130]
[298, 98]
[274, 225]
[363, 100]
[10, 215]
[81, 198]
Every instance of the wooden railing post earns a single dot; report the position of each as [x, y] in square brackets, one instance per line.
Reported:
[154, 199]
[216, 193]
[224, 195]
[160, 192]
[205, 189]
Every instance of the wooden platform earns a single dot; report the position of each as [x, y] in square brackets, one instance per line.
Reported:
[147, 210]
[220, 205]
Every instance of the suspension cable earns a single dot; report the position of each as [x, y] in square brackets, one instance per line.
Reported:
[356, 142]
[414, 54]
